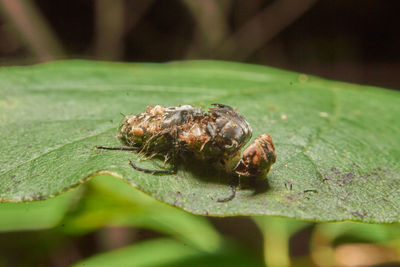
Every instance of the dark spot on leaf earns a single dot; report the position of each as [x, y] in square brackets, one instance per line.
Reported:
[357, 214]
[327, 178]
[349, 175]
[335, 170]
[355, 165]
[12, 176]
[290, 198]
[310, 191]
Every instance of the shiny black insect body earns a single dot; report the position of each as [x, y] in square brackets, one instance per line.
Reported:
[215, 137]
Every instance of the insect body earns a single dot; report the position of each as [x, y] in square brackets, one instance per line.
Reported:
[215, 137]
[258, 157]
[188, 131]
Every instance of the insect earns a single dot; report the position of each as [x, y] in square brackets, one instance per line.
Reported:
[215, 137]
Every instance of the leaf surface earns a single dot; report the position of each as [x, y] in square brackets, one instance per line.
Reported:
[337, 144]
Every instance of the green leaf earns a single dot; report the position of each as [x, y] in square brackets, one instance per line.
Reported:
[110, 202]
[365, 232]
[149, 253]
[337, 144]
[35, 215]
[168, 252]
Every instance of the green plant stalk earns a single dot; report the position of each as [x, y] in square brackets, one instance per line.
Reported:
[276, 234]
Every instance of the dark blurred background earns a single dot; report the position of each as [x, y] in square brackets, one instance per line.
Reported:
[356, 41]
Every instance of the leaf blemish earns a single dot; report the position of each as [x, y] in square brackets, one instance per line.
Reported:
[358, 214]
[310, 191]
[290, 198]
[349, 175]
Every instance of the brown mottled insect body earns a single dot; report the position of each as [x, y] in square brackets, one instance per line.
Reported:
[214, 137]
[258, 157]
[177, 131]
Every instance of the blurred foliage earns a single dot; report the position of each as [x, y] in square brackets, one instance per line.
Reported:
[166, 252]
[355, 244]
[35, 215]
[183, 239]
[276, 233]
[110, 202]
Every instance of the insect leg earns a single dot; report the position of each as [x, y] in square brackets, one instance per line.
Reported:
[175, 151]
[152, 171]
[234, 184]
[229, 198]
[124, 148]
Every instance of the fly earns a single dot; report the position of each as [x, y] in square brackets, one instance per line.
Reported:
[214, 137]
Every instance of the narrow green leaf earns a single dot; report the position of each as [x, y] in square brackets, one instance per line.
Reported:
[35, 215]
[150, 253]
[337, 144]
[365, 232]
[111, 202]
[168, 252]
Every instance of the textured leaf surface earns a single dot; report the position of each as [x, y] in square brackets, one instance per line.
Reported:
[337, 144]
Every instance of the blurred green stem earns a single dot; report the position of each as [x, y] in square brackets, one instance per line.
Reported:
[276, 244]
[277, 233]
[32, 28]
